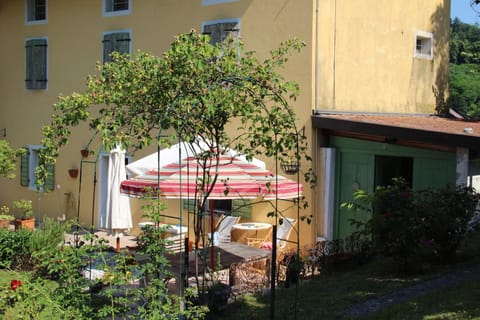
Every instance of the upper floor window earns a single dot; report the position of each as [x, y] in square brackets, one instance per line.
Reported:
[116, 7]
[36, 63]
[423, 45]
[115, 42]
[212, 2]
[219, 31]
[35, 11]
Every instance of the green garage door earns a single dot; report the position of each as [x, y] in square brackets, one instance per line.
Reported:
[355, 172]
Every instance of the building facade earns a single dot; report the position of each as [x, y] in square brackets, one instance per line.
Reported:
[376, 58]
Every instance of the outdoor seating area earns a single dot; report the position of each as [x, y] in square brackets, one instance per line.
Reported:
[245, 267]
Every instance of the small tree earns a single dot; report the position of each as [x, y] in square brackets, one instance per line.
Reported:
[217, 93]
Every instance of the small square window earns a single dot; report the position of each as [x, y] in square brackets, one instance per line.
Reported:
[36, 11]
[423, 45]
[116, 7]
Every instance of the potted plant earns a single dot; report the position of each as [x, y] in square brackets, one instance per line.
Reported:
[5, 218]
[26, 221]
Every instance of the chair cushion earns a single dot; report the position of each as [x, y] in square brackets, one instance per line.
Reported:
[266, 245]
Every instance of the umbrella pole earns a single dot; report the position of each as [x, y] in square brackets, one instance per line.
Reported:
[212, 231]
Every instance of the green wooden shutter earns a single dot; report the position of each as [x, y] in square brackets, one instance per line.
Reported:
[107, 47]
[242, 208]
[36, 64]
[218, 32]
[122, 42]
[24, 168]
[50, 181]
[119, 42]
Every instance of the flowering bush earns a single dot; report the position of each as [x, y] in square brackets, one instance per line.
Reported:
[416, 226]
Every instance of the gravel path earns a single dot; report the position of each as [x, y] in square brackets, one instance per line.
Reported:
[450, 279]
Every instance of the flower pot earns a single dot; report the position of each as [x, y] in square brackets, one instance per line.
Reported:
[28, 224]
[84, 153]
[73, 173]
[4, 223]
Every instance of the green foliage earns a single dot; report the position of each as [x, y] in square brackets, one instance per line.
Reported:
[13, 247]
[60, 288]
[416, 226]
[4, 210]
[25, 207]
[8, 159]
[464, 81]
[445, 215]
[464, 43]
[465, 90]
[22, 248]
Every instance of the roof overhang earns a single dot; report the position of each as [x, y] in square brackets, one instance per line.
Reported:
[426, 130]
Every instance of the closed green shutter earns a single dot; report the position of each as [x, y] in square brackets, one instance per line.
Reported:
[36, 64]
[218, 32]
[50, 181]
[122, 42]
[24, 168]
[115, 42]
[242, 208]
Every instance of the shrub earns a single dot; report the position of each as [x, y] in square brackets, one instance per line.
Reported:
[445, 215]
[14, 247]
[415, 227]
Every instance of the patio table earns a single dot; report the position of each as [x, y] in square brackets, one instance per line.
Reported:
[232, 252]
[242, 231]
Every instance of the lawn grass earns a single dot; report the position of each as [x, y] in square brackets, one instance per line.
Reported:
[328, 295]
[457, 302]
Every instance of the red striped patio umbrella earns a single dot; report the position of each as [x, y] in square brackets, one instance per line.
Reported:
[226, 178]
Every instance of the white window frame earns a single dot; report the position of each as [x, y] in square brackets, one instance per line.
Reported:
[426, 50]
[117, 31]
[28, 4]
[112, 13]
[214, 2]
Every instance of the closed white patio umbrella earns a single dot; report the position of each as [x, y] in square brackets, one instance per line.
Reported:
[117, 217]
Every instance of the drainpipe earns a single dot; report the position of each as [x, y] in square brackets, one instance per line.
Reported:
[317, 52]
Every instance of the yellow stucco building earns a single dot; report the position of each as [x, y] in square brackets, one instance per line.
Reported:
[373, 57]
